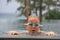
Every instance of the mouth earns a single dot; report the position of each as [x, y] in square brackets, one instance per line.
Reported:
[33, 31]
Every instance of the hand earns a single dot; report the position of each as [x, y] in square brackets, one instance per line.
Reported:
[13, 33]
[50, 34]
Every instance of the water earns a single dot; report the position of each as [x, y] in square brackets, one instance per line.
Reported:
[52, 25]
[10, 22]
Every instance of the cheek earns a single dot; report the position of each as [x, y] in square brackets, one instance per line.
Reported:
[28, 27]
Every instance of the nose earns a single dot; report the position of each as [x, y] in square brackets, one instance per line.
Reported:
[33, 26]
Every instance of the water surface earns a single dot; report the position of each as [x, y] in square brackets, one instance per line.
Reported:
[10, 22]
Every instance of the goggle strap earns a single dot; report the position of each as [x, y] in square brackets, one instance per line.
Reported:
[40, 25]
[26, 24]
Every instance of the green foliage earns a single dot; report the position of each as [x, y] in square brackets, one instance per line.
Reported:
[20, 1]
[36, 3]
[52, 15]
[49, 2]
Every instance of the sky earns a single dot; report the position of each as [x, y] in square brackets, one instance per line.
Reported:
[10, 8]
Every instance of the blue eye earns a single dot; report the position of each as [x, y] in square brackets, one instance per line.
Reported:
[36, 25]
[30, 24]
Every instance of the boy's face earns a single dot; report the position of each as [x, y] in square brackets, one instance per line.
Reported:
[33, 26]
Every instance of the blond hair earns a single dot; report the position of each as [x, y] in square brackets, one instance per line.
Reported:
[33, 18]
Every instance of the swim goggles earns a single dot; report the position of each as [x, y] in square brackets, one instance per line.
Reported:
[31, 24]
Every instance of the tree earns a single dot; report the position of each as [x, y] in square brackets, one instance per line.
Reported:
[53, 14]
[49, 3]
[53, 3]
[40, 15]
[27, 10]
[35, 8]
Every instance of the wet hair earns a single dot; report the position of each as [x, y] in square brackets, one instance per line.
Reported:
[33, 17]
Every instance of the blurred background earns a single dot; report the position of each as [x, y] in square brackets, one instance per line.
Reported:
[14, 13]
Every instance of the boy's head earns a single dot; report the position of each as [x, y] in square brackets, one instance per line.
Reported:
[32, 24]
[33, 19]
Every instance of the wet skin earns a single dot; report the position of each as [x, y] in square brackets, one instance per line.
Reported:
[32, 29]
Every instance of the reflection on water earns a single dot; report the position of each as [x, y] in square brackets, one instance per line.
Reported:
[12, 22]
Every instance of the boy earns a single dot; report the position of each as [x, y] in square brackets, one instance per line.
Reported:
[33, 27]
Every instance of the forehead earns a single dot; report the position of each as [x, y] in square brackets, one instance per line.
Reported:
[33, 19]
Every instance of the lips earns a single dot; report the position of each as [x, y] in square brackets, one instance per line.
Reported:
[33, 31]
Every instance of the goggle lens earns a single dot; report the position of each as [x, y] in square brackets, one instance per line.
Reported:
[36, 25]
[30, 24]
[33, 24]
